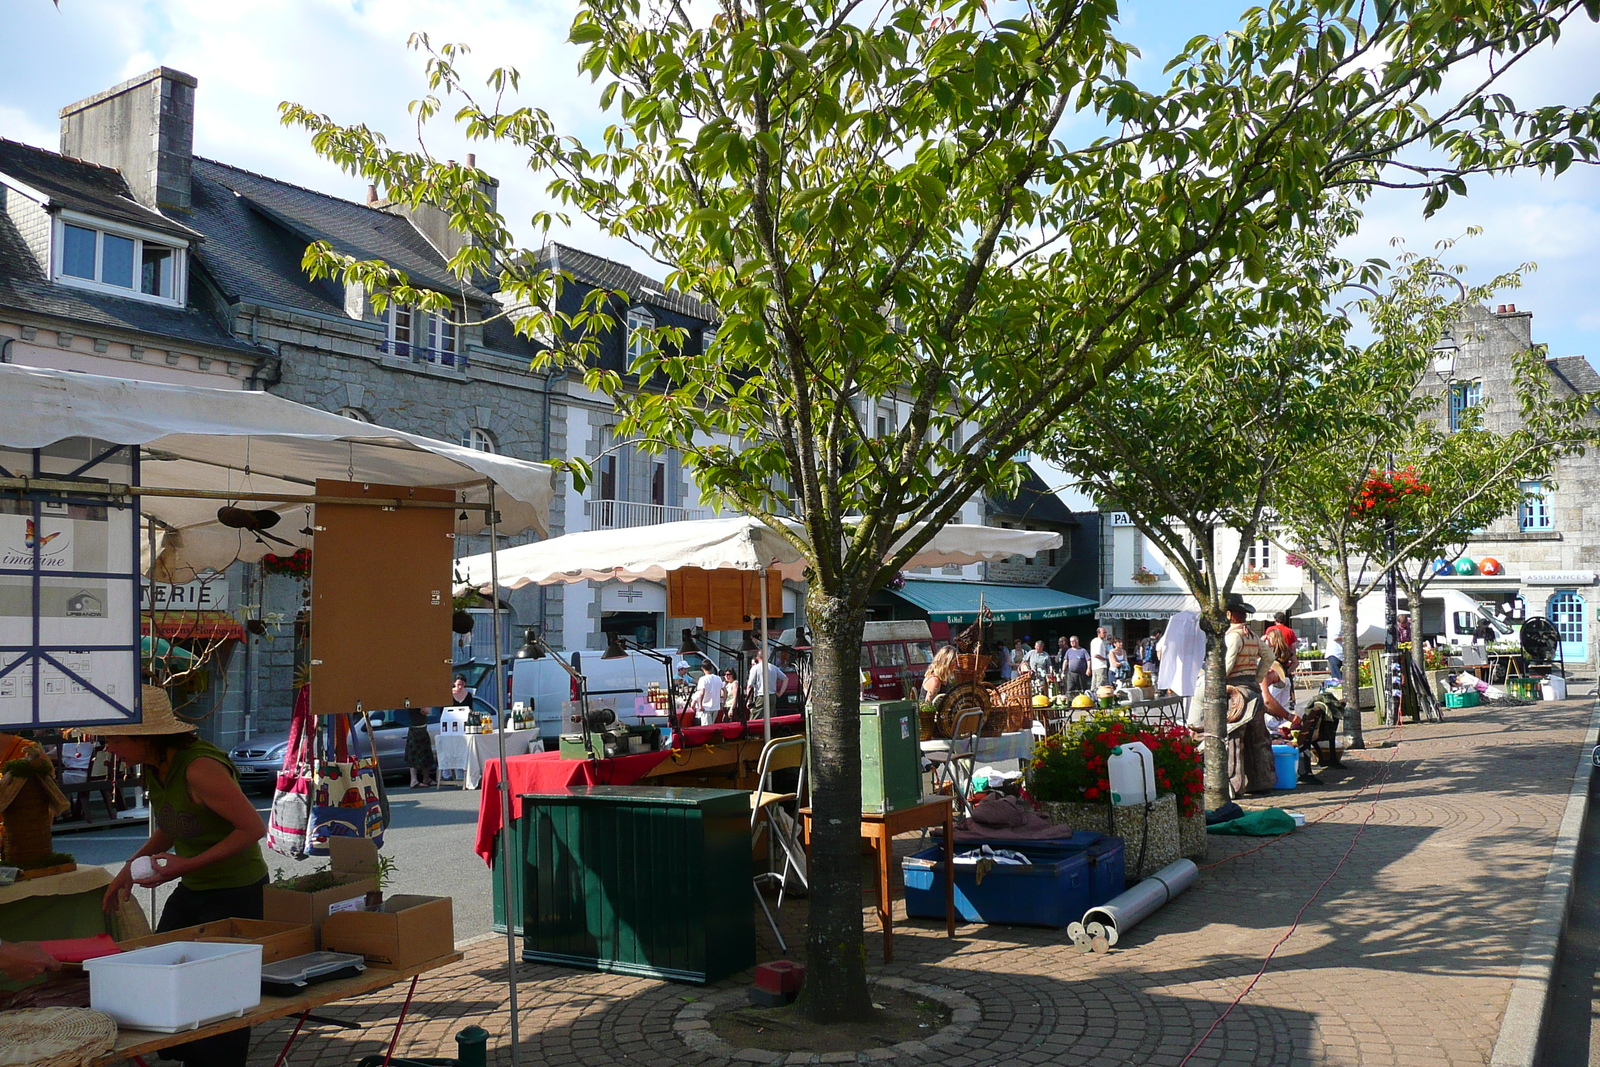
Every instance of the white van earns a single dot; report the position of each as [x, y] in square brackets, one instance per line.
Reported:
[547, 688]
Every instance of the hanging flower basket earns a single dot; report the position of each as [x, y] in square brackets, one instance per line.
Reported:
[295, 566]
[1145, 577]
[1253, 577]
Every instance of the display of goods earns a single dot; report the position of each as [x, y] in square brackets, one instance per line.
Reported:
[969, 668]
[1141, 678]
[1083, 700]
[1041, 701]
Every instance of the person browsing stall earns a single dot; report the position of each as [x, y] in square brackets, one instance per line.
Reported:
[936, 679]
[764, 678]
[708, 694]
[204, 834]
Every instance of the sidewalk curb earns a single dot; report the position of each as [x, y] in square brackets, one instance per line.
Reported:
[1520, 1027]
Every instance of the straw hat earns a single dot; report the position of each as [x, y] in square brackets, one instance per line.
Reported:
[158, 719]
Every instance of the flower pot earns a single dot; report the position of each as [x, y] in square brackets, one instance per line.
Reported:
[1158, 835]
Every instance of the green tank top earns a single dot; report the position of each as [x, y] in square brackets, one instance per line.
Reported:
[194, 827]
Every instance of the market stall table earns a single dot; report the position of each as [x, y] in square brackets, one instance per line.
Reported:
[724, 747]
[467, 753]
[136, 1044]
[881, 829]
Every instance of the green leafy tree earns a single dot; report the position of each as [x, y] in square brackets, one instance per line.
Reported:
[1191, 442]
[1335, 511]
[887, 202]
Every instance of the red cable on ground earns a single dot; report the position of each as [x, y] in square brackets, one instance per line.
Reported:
[1372, 810]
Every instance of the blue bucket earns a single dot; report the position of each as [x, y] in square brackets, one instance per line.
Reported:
[1286, 759]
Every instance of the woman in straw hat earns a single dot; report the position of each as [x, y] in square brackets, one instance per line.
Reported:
[204, 832]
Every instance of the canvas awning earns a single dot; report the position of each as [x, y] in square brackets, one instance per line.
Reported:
[192, 625]
[1269, 604]
[739, 542]
[249, 442]
[1146, 605]
[959, 602]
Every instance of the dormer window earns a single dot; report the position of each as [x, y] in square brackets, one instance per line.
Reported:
[639, 322]
[118, 259]
[433, 336]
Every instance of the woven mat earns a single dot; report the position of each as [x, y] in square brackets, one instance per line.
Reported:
[54, 1037]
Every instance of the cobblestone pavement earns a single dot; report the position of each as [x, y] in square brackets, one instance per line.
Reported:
[1429, 858]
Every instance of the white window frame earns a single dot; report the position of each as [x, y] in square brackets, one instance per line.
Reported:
[480, 440]
[708, 337]
[637, 321]
[430, 326]
[1533, 515]
[139, 236]
[355, 413]
[1258, 555]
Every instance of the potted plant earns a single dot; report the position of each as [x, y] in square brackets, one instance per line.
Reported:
[1067, 778]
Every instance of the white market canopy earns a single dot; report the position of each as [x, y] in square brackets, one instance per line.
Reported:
[248, 442]
[741, 543]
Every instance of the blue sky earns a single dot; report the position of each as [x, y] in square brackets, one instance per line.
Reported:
[348, 58]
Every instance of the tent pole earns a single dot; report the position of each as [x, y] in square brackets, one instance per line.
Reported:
[766, 664]
[512, 907]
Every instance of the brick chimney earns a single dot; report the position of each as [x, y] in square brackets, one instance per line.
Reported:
[143, 127]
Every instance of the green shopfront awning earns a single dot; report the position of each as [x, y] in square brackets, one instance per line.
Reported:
[957, 602]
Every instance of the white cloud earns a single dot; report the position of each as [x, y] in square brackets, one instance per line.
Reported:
[348, 58]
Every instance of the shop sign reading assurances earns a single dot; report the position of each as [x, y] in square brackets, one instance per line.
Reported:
[1558, 577]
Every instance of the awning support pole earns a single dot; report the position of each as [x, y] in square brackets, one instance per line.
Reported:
[507, 849]
[766, 664]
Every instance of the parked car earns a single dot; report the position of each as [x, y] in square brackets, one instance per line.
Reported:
[259, 758]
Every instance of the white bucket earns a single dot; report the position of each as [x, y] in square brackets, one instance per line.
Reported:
[1554, 687]
[1131, 769]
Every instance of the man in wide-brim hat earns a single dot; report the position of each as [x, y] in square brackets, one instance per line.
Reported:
[203, 831]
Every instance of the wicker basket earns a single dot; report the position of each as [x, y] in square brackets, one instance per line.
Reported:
[969, 668]
[1015, 698]
[927, 722]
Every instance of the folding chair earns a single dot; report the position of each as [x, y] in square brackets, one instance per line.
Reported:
[767, 806]
[953, 760]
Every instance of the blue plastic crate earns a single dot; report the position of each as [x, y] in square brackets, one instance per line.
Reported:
[1066, 879]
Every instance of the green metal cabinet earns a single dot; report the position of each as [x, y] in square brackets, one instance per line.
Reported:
[648, 880]
[891, 760]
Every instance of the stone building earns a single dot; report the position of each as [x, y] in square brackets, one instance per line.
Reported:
[1543, 560]
[128, 254]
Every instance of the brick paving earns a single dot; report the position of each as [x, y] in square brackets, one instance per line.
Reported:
[1405, 958]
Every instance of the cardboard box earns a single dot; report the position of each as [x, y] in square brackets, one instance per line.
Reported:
[352, 872]
[408, 930]
[278, 940]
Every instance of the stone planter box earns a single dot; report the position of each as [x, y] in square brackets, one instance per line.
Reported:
[1192, 834]
[1128, 822]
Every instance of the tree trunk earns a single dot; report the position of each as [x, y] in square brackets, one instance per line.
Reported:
[835, 946]
[1413, 591]
[1214, 695]
[1351, 680]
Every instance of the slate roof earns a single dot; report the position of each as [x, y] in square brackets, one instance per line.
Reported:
[25, 287]
[609, 274]
[1576, 372]
[81, 186]
[259, 228]
[1033, 501]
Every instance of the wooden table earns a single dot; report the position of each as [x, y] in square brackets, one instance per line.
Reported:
[135, 1044]
[881, 829]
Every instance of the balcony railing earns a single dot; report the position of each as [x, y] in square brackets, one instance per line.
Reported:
[625, 514]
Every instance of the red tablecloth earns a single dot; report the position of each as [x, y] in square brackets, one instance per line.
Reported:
[547, 772]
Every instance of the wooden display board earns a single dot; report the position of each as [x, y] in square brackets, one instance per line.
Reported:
[380, 586]
[725, 599]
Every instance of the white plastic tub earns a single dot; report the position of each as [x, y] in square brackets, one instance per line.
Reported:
[178, 986]
[1553, 687]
